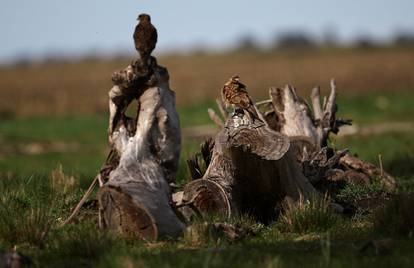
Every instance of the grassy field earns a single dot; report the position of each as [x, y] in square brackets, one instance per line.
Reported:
[80, 87]
[37, 194]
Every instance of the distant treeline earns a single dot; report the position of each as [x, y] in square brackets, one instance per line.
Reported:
[303, 39]
[248, 42]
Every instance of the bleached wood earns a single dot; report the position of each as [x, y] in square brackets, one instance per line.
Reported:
[149, 149]
[264, 102]
[215, 118]
[316, 103]
[293, 113]
[222, 109]
[295, 119]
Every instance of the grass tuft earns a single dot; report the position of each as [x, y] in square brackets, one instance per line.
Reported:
[305, 216]
[352, 192]
[26, 211]
[30, 207]
[62, 182]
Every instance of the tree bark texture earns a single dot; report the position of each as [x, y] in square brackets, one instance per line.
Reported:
[252, 169]
[135, 197]
[258, 167]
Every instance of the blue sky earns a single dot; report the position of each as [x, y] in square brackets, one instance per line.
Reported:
[36, 28]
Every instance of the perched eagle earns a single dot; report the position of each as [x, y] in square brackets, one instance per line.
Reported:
[145, 37]
[235, 93]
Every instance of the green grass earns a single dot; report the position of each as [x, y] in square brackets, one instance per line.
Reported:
[377, 107]
[88, 134]
[306, 217]
[34, 201]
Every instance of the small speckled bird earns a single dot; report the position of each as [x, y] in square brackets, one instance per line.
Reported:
[145, 37]
[235, 93]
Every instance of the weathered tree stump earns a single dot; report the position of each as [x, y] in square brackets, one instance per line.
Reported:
[135, 198]
[257, 167]
[251, 171]
[309, 131]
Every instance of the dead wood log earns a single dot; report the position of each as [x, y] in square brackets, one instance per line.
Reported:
[354, 163]
[295, 117]
[309, 130]
[135, 198]
[289, 114]
[252, 169]
[321, 164]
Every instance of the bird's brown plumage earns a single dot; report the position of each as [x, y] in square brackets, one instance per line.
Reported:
[145, 37]
[235, 93]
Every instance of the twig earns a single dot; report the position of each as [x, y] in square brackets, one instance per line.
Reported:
[263, 102]
[222, 109]
[380, 164]
[82, 201]
[216, 119]
[77, 208]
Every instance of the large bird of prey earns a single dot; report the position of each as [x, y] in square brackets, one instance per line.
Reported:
[235, 93]
[145, 37]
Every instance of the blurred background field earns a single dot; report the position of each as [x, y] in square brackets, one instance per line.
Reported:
[54, 80]
[56, 111]
[65, 87]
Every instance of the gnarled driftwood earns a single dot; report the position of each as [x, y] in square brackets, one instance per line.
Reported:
[134, 198]
[309, 130]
